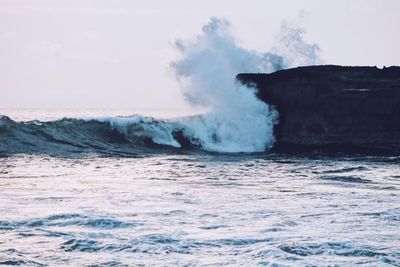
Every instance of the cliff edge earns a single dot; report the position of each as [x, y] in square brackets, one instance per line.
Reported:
[333, 108]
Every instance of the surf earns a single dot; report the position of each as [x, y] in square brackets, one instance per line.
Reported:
[235, 119]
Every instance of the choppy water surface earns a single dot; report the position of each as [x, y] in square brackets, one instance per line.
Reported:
[199, 209]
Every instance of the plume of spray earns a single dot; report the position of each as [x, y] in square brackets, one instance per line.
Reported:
[293, 49]
[236, 121]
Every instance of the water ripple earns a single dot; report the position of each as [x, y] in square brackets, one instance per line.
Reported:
[201, 210]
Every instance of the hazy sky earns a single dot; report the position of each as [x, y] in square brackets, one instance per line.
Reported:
[115, 53]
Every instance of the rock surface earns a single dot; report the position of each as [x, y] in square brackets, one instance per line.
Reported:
[333, 108]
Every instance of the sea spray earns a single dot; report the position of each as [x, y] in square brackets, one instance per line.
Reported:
[236, 121]
[294, 51]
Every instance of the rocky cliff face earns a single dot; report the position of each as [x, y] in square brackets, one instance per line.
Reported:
[333, 108]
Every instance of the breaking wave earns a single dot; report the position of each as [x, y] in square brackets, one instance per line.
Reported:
[129, 135]
[132, 135]
[235, 119]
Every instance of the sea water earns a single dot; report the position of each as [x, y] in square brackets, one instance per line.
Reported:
[190, 207]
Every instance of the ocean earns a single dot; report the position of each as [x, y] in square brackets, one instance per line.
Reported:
[98, 189]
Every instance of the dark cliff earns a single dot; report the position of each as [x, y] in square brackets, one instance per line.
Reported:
[333, 108]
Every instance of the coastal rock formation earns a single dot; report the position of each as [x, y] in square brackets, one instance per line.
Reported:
[333, 108]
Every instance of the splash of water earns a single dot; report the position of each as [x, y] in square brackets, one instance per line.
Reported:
[236, 121]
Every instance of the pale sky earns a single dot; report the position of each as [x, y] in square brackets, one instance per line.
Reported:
[116, 53]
